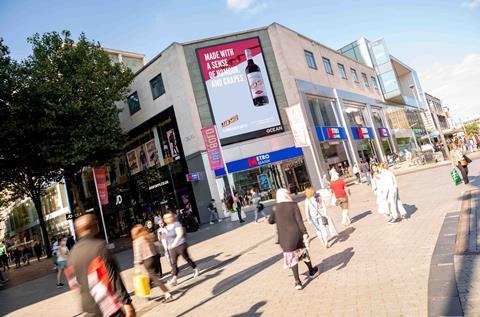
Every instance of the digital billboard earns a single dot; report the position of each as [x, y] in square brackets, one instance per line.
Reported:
[239, 91]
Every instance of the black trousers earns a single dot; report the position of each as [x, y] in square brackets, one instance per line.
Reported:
[153, 267]
[464, 172]
[175, 253]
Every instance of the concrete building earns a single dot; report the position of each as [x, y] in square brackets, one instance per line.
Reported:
[172, 99]
[401, 89]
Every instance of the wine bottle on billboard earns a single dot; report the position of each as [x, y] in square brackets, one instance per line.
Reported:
[255, 81]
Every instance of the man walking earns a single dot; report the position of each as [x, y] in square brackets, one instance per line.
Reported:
[213, 212]
[101, 288]
[365, 168]
[257, 206]
[38, 250]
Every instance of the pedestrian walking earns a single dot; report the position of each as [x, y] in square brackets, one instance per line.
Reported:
[17, 254]
[339, 188]
[333, 171]
[144, 252]
[54, 252]
[70, 242]
[378, 191]
[390, 194]
[159, 250]
[38, 250]
[97, 274]
[257, 205]
[316, 214]
[292, 235]
[365, 168]
[356, 173]
[459, 160]
[4, 257]
[3, 280]
[238, 206]
[62, 257]
[213, 212]
[26, 255]
[177, 245]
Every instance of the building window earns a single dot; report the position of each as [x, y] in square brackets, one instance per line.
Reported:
[365, 80]
[354, 75]
[322, 111]
[156, 85]
[374, 82]
[343, 73]
[133, 103]
[327, 65]
[310, 60]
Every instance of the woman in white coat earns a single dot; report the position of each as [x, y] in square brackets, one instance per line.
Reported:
[314, 210]
[389, 192]
[377, 188]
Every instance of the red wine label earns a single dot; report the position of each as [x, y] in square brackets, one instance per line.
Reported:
[257, 86]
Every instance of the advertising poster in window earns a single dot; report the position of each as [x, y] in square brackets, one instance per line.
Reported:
[172, 144]
[239, 91]
[263, 182]
[152, 153]
[142, 157]
[132, 160]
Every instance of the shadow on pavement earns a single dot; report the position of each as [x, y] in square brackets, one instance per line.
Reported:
[360, 216]
[234, 280]
[411, 209]
[339, 260]
[253, 311]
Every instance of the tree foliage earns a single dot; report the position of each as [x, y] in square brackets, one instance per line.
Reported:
[57, 112]
[473, 127]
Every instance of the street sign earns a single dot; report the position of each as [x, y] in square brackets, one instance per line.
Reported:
[193, 177]
[69, 216]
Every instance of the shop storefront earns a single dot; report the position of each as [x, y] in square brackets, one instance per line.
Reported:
[268, 172]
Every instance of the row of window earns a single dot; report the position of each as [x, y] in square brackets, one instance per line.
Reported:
[157, 88]
[341, 68]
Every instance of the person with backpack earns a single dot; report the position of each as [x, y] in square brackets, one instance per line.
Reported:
[257, 205]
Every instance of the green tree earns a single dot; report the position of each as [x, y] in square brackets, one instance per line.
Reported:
[473, 127]
[60, 114]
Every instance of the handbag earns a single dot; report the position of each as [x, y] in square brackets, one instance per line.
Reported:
[467, 159]
[455, 177]
[260, 206]
[322, 217]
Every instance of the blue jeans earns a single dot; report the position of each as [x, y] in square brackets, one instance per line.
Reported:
[368, 178]
[239, 212]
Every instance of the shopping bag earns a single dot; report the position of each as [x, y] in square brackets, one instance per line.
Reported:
[141, 285]
[456, 178]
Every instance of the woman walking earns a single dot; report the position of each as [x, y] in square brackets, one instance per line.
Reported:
[292, 235]
[62, 258]
[316, 214]
[389, 193]
[238, 204]
[174, 234]
[144, 253]
[457, 157]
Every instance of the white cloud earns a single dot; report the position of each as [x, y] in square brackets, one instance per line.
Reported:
[456, 84]
[472, 4]
[250, 6]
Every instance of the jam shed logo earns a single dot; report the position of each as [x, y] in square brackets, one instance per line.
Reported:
[259, 160]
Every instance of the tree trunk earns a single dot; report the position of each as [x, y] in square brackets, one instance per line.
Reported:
[38, 206]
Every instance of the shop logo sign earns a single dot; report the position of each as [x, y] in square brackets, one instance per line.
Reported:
[258, 160]
[252, 162]
[333, 133]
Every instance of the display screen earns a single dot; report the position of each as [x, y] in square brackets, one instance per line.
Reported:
[239, 91]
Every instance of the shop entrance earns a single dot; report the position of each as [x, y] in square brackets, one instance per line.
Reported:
[366, 150]
[334, 154]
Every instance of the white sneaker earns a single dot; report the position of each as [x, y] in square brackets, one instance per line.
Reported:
[219, 220]
[196, 272]
[172, 282]
[211, 222]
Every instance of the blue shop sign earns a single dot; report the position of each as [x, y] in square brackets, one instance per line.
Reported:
[331, 133]
[362, 133]
[261, 159]
[383, 132]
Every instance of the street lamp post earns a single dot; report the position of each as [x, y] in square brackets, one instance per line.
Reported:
[435, 121]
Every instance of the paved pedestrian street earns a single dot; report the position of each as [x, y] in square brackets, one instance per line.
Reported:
[374, 269]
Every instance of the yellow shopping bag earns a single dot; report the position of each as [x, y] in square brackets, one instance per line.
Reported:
[141, 285]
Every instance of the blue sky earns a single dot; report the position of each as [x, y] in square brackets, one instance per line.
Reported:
[440, 37]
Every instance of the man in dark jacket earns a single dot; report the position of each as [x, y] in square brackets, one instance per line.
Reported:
[94, 270]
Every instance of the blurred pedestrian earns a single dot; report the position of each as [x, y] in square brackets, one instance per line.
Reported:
[17, 254]
[257, 205]
[213, 212]
[292, 234]
[356, 173]
[365, 168]
[26, 255]
[70, 242]
[62, 257]
[38, 250]
[97, 274]
[458, 160]
[177, 245]
[339, 188]
[238, 205]
[389, 192]
[144, 252]
[54, 252]
[316, 214]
